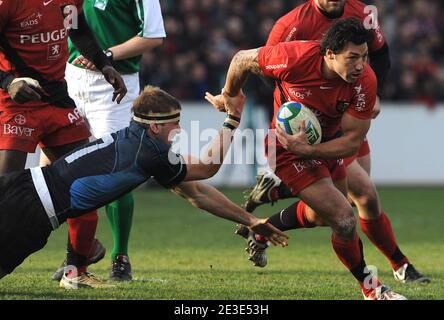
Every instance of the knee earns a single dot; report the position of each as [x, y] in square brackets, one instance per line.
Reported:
[365, 196]
[345, 223]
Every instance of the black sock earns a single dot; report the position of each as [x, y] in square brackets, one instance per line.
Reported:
[287, 219]
[73, 258]
[284, 192]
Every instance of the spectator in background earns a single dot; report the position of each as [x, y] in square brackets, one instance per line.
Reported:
[205, 34]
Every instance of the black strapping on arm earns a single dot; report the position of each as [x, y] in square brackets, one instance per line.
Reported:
[380, 63]
[5, 79]
[85, 41]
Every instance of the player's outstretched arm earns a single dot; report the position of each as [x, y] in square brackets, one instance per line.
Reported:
[243, 63]
[208, 198]
[208, 166]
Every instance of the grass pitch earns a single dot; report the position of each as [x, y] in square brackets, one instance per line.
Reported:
[179, 252]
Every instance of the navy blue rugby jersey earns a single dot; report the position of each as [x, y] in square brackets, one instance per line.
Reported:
[102, 171]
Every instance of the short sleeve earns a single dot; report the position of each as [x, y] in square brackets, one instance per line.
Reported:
[364, 97]
[277, 61]
[149, 14]
[170, 170]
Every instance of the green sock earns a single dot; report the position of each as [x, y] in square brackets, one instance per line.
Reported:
[120, 216]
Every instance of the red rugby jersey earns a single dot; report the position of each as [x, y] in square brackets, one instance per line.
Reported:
[35, 31]
[306, 22]
[297, 64]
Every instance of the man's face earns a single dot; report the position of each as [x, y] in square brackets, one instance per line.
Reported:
[166, 131]
[333, 7]
[350, 62]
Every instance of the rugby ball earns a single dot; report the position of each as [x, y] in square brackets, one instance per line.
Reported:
[290, 116]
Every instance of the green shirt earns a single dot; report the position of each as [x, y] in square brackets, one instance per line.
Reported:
[116, 21]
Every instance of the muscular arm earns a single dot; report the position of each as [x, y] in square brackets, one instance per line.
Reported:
[243, 63]
[209, 165]
[134, 47]
[211, 200]
[84, 40]
[208, 198]
[354, 131]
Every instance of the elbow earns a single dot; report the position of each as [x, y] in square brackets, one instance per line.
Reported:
[212, 170]
[208, 170]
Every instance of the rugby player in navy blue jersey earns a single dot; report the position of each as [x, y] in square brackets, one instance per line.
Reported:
[36, 201]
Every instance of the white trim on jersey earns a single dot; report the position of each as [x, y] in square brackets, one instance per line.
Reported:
[152, 21]
[106, 141]
[45, 197]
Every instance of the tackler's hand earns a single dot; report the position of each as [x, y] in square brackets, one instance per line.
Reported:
[270, 232]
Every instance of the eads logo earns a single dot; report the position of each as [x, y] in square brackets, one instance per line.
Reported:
[20, 119]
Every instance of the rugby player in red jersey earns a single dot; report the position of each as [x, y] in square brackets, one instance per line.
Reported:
[35, 107]
[316, 173]
[309, 21]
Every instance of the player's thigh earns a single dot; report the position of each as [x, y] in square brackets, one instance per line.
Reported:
[363, 156]
[365, 163]
[362, 191]
[359, 182]
[327, 201]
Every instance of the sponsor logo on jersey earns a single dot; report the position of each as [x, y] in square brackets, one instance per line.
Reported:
[55, 51]
[19, 131]
[360, 99]
[45, 3]
[28, 24]
[304, 164]
[75, 117]
[44, 37]
[300, 93]
[276, 66]
[20, 119]
[290, 35]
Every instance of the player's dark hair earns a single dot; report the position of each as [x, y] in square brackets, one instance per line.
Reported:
[155, 100]
[342, 32]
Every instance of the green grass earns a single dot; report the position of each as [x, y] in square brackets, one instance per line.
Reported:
[179, 252]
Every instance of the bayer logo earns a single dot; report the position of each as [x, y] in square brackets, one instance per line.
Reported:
[20, 119]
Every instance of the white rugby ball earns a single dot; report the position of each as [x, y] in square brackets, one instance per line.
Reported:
[290, 116]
